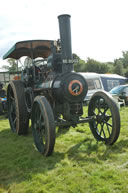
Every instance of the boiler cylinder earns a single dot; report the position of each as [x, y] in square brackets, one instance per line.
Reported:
[71, 87]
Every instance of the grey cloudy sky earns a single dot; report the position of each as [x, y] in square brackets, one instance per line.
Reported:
[99, 27]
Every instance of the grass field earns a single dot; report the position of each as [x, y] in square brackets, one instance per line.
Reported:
[78, 165]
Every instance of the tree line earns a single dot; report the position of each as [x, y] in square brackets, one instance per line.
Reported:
[118, 66]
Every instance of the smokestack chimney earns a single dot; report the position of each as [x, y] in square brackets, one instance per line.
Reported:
[65, 37]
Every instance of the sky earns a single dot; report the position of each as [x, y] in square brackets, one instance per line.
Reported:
[99, 27]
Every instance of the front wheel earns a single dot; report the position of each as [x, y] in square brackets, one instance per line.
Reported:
[106, 124]
[43, 125]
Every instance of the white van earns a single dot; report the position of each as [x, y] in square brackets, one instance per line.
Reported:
[97, 82]
[94, 84]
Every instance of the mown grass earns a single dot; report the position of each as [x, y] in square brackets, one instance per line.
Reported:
[79, 164]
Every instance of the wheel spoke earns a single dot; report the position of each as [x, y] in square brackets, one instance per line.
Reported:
[40, 122]
[108, 116]
[12, 98]
[101, 130]
[99, 107]
[108, 130]
[99, 111]
[94, 113]
[102, 127]
[108, 124]
[14, 121]
[105, 109]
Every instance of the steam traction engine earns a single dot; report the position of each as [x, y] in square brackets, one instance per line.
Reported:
[51, 93]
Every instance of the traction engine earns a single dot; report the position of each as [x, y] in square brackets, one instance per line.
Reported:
[51, 94]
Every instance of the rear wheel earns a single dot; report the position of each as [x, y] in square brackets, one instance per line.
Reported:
[106, 124]
[17, 112]
[43, 125]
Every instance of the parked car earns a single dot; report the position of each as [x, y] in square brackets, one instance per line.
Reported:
[121, 91]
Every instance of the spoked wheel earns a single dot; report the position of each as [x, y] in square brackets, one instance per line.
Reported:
[17, 113]
[106, 124]
[43, 125]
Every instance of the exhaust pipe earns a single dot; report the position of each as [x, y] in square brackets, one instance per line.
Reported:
[65, 37]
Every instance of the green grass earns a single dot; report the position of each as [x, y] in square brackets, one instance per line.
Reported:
[78, 165]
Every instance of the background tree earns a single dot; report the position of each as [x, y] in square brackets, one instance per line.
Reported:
[118, 67]
[90, 65]
[125, 62]
[96, 66]
[12, 65]
[79, 66]
[125, 59]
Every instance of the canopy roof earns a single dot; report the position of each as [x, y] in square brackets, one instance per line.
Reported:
[31, 48]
